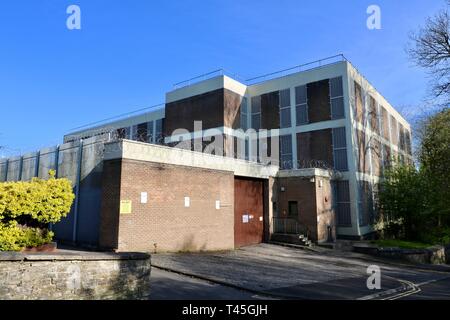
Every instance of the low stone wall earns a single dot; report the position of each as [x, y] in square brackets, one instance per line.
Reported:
[432, 255]
[74, 275]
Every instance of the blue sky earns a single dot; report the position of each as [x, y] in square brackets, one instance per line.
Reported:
[129, 53]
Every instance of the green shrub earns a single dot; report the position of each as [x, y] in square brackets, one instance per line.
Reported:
[26, 208]
[45, 201]
[14, 237]
[11, 237]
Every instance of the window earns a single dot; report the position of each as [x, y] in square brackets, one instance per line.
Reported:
[286, 152]
[337, 98]
[141, 133]
[293, 209]
[244, 114]
[159, 137]
[256, 112]
[285, 108]
[124, 133]
[342, 196]
[340, 149]
[150, 132]
[365, 203]
[301, 105]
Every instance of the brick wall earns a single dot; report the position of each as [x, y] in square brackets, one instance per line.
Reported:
[164, 223]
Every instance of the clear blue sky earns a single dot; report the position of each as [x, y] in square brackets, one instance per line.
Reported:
[129, 53]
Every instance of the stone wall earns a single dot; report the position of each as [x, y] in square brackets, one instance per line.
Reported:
[74, 275]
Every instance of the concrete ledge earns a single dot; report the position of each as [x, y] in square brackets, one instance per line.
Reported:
[432, 255]
[74, 275]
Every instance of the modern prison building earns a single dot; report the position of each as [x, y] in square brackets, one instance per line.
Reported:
[136, 189]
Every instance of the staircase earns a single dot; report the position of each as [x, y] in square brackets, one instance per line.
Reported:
[288, 230]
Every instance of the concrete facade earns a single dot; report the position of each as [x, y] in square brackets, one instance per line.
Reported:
[336, 134]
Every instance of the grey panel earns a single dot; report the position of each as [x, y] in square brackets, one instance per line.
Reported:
[336, 89]
[285, 118]
[300, 95]
[302, 114]
[285, 98]
[337, 108]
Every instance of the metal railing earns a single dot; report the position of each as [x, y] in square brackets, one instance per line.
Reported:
[302, 67]
[287, 226]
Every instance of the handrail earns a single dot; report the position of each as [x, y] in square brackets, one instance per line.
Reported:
[287, 225]
[299, 67]
[222, 71]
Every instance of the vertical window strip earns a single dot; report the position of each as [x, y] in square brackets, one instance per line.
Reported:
[301, 105]
[285, 108]
[337, 98]
[256, 112]
[286, 152]
[340, 149]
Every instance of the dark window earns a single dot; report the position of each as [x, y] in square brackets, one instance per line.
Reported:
[141, 133]
[285, 118]
[286, 152]
[159, 126]
[150, 131]
[293, 209]
[301, 108]
[340, 149]
[285, 98]
[244, 114]
[256, 112]
[336, 89]
[342, 194]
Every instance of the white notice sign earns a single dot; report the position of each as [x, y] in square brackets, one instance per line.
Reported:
[245, 218]
[144, 197]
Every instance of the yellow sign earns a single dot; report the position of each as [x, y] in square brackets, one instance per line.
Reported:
[125, 206]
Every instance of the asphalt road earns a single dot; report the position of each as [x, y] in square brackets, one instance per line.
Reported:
[293, 274]
[168, 285]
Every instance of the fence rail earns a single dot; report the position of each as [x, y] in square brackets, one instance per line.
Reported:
[287, 226]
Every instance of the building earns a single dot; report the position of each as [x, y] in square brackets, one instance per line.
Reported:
[323, 136]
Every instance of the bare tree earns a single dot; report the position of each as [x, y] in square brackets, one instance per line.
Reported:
[429, 48]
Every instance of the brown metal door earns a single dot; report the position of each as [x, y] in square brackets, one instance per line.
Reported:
[248, 212]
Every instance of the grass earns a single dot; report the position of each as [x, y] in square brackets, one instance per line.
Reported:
[401, 244]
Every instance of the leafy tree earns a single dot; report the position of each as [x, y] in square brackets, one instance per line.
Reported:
[402, 201]
[434, 157]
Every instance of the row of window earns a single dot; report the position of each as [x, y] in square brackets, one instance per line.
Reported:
[336, 97]
[151, 132]
[339, 147]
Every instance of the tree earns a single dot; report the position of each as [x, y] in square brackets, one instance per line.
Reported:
[402, 200]
[430, 49]
[434, 157]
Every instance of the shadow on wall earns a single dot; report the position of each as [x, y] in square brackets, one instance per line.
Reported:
[132, 281]
[189, 245]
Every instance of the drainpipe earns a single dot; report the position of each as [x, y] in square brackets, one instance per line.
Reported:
[77, 193]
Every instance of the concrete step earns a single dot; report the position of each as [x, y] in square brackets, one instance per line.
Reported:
[292, 238]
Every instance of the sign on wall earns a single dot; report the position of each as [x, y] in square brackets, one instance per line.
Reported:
[125, 207]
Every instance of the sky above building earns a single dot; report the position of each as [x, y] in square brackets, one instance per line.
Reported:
[128, 54]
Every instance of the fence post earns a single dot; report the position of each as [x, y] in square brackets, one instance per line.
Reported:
[77, 193]
[19, 178]
[36, 169]
[7, 168]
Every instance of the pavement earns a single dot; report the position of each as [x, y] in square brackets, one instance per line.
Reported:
[268, 270]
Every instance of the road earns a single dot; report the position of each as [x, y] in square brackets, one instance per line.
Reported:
[292, 274]
[168, 285]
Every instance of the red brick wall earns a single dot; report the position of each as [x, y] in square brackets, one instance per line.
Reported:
[164, 223]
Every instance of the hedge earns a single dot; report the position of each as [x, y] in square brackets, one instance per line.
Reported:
[23, 205]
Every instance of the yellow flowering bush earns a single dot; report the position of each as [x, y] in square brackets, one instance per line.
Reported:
[27, 207]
